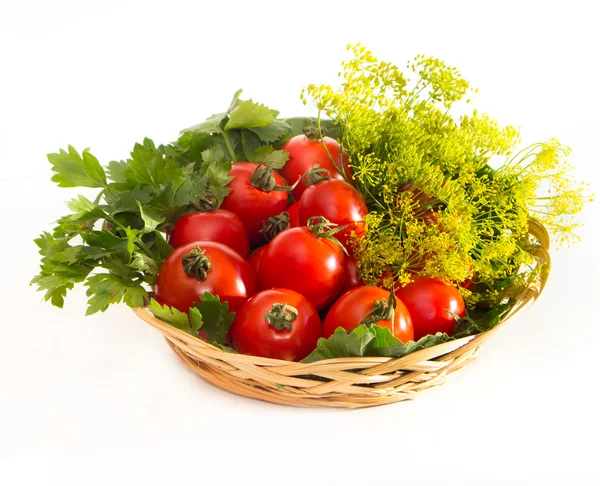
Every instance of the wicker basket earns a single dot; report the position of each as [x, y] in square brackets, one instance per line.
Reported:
[343, 382]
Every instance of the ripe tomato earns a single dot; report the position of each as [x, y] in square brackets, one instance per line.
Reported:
[428, 300]
[204, 266]
[293, 212]
[351, 277]
[256, 257]
[305, 152]
[296, 259]
[253, 205]
[219, 225]
[368, 305]
[277, 323]
[337, 201]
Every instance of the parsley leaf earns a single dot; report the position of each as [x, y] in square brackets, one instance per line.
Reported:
[215, 317]
[176, 318]
[248, 114]
[74, 170]
[105, 289]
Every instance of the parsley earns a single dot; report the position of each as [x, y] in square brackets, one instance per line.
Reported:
[120, 234]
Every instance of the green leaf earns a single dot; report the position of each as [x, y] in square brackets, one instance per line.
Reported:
[117, 170]
[132, 239]
[342, 345]
[162, 248]
[248, 114]
[105, 289]
[250, 143]
[171, 315]
[192, 144]
[235, 101]
[106, 241]
[56, 288]
[86, 215]
[127, 201]
[274, 159]
[386, 344]
[214, 155]
[369, 341]
[274, 131]
[150, 222]
[60, 269]
[74, 170]
[69, 255]
[216, 319]
[210, 125]
[144, 263]
[149, 166]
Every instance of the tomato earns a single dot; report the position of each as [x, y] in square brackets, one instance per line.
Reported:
[337, 201]
[277, 323]
[351, 277]
[256, 257]
[253, 205]
[296, 259]
[204, 266]
[219, 225]
[304, 153]
[429, 301]
[364, 305]
[293, 212]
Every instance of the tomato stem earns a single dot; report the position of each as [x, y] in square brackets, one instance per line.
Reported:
[323, 228]
[275, 225]
[313, 131]
[315, 175]
[281, 316]
[196, 264]
[205, 204]
[382, 310]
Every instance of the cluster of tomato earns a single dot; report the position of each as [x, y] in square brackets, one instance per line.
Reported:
[300, 282]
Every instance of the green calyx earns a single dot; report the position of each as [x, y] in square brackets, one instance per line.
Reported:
[281, 316]
[315, 175]
[262, 178]
[196, 263]
[323, 228]
[312, 132]
[382, 310]
[205, 204]
[275, 225]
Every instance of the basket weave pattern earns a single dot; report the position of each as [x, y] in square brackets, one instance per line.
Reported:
[343, 382]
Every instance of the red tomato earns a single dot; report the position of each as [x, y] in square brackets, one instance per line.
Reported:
[219, 225]
[277, 323]
[256, 257]
[428, 300]
[254, 206]
[298, 260]
[305, 153]
[351, 309]
[351, 277]
[210, 267]
[293, 212]
[338, 202]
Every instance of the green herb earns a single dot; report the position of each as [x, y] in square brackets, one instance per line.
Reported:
[209, 315]
[121, 233]
[437, 205]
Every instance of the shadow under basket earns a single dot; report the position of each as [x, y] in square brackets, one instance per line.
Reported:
[342, 382]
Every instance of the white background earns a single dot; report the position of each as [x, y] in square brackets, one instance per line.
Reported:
[101, 400]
